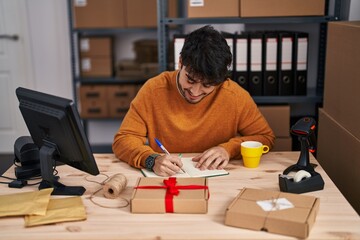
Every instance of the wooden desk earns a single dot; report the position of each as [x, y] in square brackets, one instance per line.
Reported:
[336, 218]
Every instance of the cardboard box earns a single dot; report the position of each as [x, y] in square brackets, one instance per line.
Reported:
[282, 144]
[281, 8]
[93, 92]
[153, 200]
[119, 99]
[146, 51]
[96, 67]
[94, 109]
[93, 101]
[131, 69]
[339, 155]
[143, 13]
[297, 221]
[278, 118]
[99, 13]
[95, 47]
[212, 8]
[342, 75]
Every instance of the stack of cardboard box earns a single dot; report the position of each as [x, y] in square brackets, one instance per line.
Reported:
[103, 101]
[255, 8]
[118, 13]
[145, 65]
[339, 131]
[96, 57]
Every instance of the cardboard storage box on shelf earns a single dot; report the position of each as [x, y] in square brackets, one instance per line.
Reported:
[153, 200]
[143, 13]
[93, 101]
[131, 69]
[146, 50]
[275, 212]
[212, 8]
[339, 155]
[342, 74]
[281, 8]
[95, 47]
[99, 13]
[96, 66]
[278, 118]
[282, 144]
[119, 99]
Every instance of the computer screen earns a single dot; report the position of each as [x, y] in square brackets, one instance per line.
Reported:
[55, 127]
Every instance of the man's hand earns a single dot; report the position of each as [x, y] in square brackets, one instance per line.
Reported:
[213, 158]
[167, 165]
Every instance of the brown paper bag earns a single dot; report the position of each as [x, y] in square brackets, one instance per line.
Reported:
[59, 210]
[26, 203]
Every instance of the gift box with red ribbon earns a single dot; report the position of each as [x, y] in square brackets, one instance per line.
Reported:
[170, 195]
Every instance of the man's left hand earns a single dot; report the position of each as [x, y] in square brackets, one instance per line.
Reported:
[213, 158]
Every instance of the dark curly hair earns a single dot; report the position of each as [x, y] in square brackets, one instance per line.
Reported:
[206, 55]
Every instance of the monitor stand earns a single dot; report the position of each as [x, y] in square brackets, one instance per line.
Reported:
[47, 162]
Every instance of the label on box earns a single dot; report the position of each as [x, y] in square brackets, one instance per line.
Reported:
[86, 64]
[197, 3]
[80, 3]
[275, 204]
[84, 45]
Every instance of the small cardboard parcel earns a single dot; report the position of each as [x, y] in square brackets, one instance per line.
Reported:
[272, 211]
[172, 195]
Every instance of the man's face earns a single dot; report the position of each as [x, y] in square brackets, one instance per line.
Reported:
[193, 90]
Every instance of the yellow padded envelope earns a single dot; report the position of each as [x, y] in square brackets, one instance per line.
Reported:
[25, 203]
[59, 210]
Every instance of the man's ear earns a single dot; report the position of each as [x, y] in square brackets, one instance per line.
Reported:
[180, 63]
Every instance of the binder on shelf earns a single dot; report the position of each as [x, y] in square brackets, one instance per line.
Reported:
[230, 38]
[241, 57]
[179, 40]
[255, 60]
[270, 64]
[285, 70]
[300, 62]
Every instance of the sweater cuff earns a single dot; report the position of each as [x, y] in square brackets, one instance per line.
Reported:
[233, 149]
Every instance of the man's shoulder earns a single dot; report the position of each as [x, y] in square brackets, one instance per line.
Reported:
[233, 88]
[160, 80]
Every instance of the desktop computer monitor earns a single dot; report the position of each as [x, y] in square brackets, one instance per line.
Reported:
[55, 127]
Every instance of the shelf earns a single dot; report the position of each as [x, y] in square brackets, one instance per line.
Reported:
[254, 20]
[311, 97]
[110, 31]
[110, 80]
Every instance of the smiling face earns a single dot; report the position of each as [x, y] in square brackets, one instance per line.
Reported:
[193, 90]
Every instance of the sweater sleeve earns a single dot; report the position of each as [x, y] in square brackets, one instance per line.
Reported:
[129, 143]
[252, 126]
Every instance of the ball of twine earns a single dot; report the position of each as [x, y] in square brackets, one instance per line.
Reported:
[114, 186]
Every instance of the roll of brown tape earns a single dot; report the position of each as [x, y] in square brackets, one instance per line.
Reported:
[114, 186]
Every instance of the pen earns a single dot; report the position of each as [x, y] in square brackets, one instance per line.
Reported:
[161, 146]
[166, 151]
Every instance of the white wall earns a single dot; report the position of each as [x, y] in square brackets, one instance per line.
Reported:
[354, 11]
[49, 36]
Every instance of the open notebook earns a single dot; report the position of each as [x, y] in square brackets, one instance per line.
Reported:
[190, 171]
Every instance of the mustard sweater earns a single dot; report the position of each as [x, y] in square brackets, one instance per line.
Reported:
[226, 117]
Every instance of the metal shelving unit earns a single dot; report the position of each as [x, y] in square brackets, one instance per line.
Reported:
[314, 96]
[78, 80]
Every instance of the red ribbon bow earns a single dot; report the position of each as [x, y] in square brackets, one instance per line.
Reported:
[171, 190]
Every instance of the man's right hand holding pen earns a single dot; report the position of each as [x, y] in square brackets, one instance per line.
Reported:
[167, 165]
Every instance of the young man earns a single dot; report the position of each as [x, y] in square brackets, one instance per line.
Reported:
[192, 110]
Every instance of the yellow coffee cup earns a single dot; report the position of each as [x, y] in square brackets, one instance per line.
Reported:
[251, 152]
